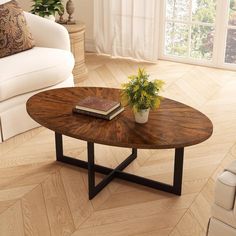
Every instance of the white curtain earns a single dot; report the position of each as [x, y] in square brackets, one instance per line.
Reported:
[127, 28]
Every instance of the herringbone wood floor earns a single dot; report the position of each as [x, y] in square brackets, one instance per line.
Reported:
[41, 197]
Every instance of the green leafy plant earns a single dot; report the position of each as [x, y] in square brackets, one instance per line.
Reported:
[140, 93]
[47, 7]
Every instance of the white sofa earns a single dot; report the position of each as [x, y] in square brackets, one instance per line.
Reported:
[223, 220]
[48, 65]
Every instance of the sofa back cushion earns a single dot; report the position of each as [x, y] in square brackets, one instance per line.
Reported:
[15, 35]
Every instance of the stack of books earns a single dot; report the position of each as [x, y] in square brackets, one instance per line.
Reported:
[98, 107]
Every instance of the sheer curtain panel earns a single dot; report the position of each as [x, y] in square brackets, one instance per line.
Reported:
[127, 28]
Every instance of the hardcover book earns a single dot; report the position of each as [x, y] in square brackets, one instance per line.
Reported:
[97, 105]
[109, 116]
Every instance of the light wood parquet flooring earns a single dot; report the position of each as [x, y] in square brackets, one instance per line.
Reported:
[39, 196]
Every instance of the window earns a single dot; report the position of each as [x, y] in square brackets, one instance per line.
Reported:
[200, 32]
[230, 50]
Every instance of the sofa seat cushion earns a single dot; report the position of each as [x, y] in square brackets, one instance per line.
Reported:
[13, 115]
[225, 190]
[32, 70]
[225, 216]
[218, 228]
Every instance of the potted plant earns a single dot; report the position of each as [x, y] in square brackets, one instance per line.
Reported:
[141, 95]
[47, 8]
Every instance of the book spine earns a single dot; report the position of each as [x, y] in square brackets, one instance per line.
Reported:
[97, 111]
[90, 114]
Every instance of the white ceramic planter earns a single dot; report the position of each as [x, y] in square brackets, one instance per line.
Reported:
[51, 17]
[141, 117]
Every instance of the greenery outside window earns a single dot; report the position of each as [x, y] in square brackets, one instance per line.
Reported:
[199, 32]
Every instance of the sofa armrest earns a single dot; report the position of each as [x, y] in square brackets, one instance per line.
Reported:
[225, 190]
[47, 33]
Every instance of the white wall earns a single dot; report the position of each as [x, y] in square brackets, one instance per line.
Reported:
[83, 12]
[25, 4]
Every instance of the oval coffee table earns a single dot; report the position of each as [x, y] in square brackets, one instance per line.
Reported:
[173, 125]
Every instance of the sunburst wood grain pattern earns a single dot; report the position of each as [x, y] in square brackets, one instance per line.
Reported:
[41, 197]
[173, 125]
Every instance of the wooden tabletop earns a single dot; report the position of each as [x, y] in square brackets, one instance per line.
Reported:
[173, 125]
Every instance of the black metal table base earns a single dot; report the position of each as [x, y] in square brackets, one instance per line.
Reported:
[117, 172]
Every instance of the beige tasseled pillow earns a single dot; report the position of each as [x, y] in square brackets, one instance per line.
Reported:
[15, 35]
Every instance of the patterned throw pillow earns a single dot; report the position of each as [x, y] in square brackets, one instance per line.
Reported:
[14, 33]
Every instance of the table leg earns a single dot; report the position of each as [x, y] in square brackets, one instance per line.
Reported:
[91, 170]
[59, 146]
[118, 172]
[178, 170]
[95, 189]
